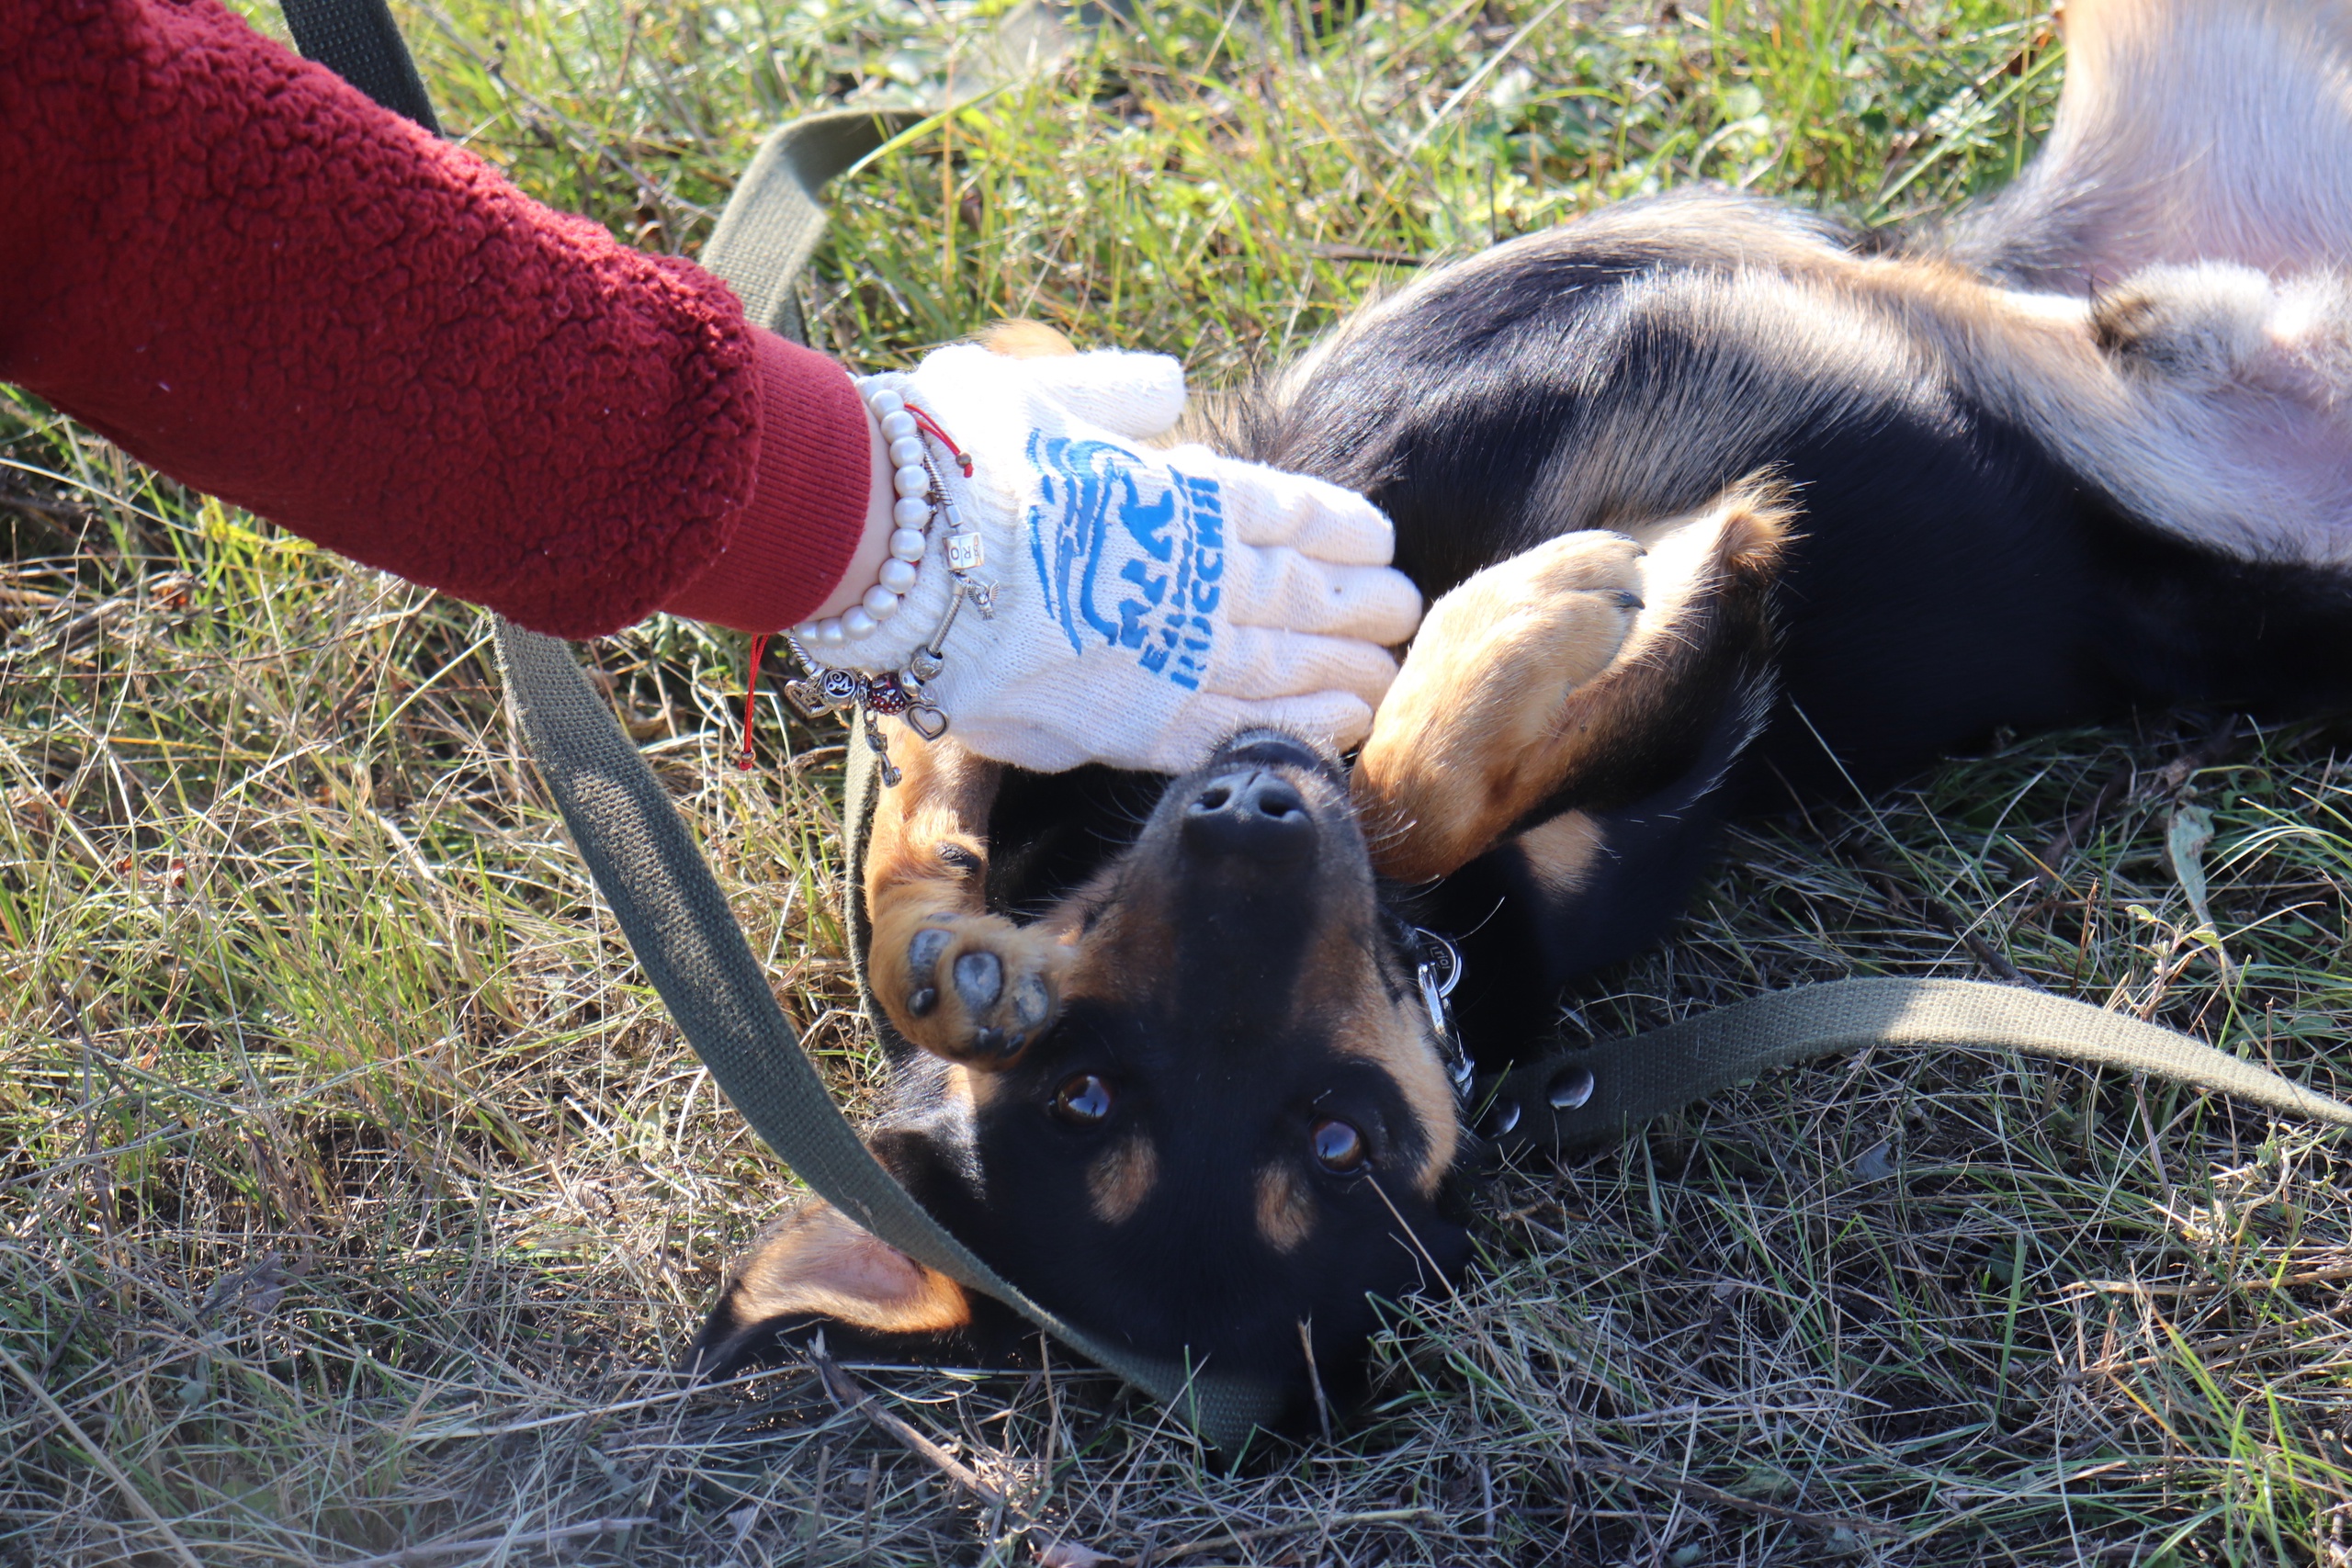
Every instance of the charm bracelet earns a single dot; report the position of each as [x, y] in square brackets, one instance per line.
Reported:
[825, 689]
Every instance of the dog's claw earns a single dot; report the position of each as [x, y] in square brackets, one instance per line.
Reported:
[922, 1001]
[1628, 600]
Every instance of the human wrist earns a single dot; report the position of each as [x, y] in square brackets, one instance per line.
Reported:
[881, 614]
[874, 540]
[805, 519]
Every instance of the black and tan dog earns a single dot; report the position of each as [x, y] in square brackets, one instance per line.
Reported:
[1712, 500]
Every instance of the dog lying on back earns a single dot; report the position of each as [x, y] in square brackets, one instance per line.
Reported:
[1711, 503]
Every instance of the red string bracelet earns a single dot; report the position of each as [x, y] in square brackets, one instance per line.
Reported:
[744, 760]
[931, 427]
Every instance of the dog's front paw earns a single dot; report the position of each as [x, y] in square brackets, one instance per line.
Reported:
[1543, 623]
[1464, 739]
[974, 988]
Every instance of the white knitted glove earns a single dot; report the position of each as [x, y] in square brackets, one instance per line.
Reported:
[1147, 605]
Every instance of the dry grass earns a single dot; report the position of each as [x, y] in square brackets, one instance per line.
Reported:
[355, 1189]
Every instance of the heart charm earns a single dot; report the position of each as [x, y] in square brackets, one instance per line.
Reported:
[809, 698]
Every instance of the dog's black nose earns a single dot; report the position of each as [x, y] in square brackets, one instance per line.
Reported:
[1248, 812]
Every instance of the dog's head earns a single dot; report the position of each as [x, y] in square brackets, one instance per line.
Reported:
[1235, 1136]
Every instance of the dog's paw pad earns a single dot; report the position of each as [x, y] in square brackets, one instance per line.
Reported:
[980, 979]
[975, 988]
[1032, 1002]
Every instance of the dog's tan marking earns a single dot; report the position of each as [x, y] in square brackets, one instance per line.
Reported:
[1560, 852]
[819, 1263]
[925, 871]
[1396, 1038]
[971, 1092]
[1343, 994]
[1541, 667]
[1285, 1208]
[1121, 1179]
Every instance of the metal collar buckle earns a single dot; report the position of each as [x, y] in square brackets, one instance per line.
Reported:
[1439, 969]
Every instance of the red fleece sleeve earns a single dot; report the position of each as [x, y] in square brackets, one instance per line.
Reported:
[246, 273]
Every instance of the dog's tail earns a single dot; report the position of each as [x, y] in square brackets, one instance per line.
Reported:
[2188, 130]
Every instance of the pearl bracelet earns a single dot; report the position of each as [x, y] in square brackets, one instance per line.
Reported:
[910, 538]
[836, 688]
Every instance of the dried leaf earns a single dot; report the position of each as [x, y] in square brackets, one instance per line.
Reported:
[1875, 1163]
[1071, 1554]
[2190, 831]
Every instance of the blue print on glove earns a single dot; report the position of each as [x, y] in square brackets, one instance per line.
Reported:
[1127, 553]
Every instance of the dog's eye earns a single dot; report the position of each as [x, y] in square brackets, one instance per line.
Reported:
[1083, 1100]
[1338, 1146]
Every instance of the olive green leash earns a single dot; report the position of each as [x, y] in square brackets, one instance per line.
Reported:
[1576, 1098]
[661, 890]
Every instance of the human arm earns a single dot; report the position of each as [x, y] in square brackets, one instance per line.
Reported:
[247, 275]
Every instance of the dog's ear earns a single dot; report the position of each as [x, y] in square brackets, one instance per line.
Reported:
[816, 1264]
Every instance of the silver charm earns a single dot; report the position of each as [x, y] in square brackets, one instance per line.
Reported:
[808, 698]
[1436, 988]
[890, 774]
[825, 691]
[965, 552]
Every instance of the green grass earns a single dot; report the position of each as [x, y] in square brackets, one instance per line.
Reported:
[354, 1189]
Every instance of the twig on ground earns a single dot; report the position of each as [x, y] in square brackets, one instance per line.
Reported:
[2218, 742]
[850, 1397]
[2332, 1274]
[1949, 920]
[2206, 1352]
[1315, 1375]
[2054, 853]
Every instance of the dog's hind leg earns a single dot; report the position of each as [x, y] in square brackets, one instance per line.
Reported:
[2188, 130]
[1582, 675]
[955, 979]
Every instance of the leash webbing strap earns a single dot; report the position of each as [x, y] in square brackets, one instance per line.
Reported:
[358, 40]
[677, 922]
[1573, 1099]
[770, 226]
